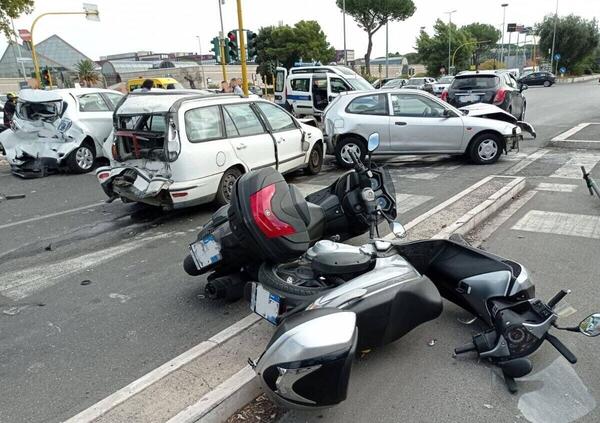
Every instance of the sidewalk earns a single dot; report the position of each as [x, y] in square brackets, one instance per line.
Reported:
[575, 79]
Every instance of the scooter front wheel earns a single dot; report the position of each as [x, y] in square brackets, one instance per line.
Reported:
[290, 278]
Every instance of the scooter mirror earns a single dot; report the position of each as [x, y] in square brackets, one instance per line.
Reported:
[398, 229]
[590, 326]
[373, 142]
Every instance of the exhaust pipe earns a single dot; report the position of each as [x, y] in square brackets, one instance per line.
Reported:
[228, 288]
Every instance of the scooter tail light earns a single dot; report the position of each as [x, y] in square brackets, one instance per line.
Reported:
[500, 96]
[444, 96]
[103, 175]
[267, 222]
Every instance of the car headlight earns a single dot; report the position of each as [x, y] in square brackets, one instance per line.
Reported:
[516, 130]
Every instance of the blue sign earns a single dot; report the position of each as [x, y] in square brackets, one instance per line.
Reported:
[563, 69]
[557, 56]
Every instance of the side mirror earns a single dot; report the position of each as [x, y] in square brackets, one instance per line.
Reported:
[523, 87]
[590, 326]
[398, 229]
[373, 142]
[449, 113]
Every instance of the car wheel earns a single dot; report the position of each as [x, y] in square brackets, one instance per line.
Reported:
[81, 160]
[547, 83]
[315, 160]
[343, 148]
[485, 148]
[225, 189]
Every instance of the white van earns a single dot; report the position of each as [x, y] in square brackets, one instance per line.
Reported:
[307, 90]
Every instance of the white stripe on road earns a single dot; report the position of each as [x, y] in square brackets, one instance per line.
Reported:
[572, 168]
[407, 202]
[22, 283]
[47, 216]
[544, 186]
[579, 225]
[526, 162]
[570, 132]
[421, 175]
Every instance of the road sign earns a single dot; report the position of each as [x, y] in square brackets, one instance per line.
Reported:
[511, 27]
[557, 56]
[23, 59]
[25, 34]
[91, 12]
[563, 69]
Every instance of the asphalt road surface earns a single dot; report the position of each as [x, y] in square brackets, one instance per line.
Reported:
[93, 295]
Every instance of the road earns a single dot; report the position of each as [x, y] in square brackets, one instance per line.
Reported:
[93, 296]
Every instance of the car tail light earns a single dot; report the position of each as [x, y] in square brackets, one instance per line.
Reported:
[102, 176]
[500, 96]
[267, 222]
[444, 96]
[179, 194]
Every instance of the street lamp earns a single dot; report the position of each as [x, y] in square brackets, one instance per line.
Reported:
[89, 10]
[222, 42]
[504, 5]
[554, 36]
[449, 37]
[344, 29]
[201, 64]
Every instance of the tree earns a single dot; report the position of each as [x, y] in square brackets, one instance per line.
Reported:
[86, 71]
[412, 58]
[576, 39]
[485, 35]
[11, 9]
[433, 50]
[285, 45]
[371, 15]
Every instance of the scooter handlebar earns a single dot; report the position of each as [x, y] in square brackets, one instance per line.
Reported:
[465, 348]
[557, 298]
[561, 348]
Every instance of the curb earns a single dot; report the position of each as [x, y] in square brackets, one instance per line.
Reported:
[563, 140]
[234, 394]
[577, 79]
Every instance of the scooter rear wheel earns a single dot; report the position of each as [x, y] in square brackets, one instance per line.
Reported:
[289, 278]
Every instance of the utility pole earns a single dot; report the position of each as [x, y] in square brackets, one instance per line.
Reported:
[554, 36]
[387, 52]
[449, 38]
[242, 45]
[344, 29]
[222, 42]
[201, 64]
[504, 5]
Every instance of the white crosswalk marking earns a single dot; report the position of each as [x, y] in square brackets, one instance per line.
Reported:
[407, 202]
[544, 186]
[572, 168]
[560, 224]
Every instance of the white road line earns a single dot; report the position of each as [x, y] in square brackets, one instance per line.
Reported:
[22, 283]
[420, 175]
[407, 202]
[47, 216]
[579, 225]
[102, 407]
[544, 186]
[572, 168]
[526, 162]
[570, 132]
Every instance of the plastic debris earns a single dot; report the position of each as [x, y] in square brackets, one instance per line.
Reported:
[432, 342]
[488, 406]
[85, 282]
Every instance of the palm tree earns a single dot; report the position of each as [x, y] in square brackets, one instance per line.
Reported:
[87, 73]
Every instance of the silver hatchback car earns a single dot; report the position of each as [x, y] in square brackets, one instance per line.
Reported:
[412, 122]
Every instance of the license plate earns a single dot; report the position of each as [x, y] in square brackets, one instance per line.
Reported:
[265, 304]
[205, 251]
[468, 98]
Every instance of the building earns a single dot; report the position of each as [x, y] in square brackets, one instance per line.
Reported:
[54, 52]
[339, 55]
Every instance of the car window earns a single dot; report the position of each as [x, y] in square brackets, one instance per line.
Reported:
[415, 106]
[92, 103]
[203, 124]
[300, 84]
[338, 85]
[475, 82]
[277, 118]
[510, 80]
[319, 83]
[114, 98]
[230, 128]
[375, 104]
[246, 122]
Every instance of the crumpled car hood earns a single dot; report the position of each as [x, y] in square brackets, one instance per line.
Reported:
[490, 111]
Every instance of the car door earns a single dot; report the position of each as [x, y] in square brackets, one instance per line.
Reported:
[516, 97]
[335, 86]
[300, 97]
[250, 139]
[418, 125]
[287, 134]
[280, 85]
[369, 113]
[96, 114]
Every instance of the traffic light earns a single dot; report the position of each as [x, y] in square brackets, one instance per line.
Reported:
[46, 81]
[232, 43]
[251, 38]
[216, 48]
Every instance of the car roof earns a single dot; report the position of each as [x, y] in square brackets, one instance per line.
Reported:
[41, 96]
[480, 73]
[171, 100]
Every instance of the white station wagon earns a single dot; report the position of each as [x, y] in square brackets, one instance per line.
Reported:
[178, 148]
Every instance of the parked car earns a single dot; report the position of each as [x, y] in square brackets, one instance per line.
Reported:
[57, 129]
[424, 83]
[379, 83]
[180, 148]
[161, 83]
[395, 83]
[546, 79]
[493, 87]
[442, 84]
[256, 90]
[413, 122]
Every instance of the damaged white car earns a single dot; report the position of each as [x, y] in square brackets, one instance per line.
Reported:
[179, 148]
[59, 129]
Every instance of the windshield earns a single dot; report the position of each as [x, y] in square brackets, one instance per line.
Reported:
[472, 82]
[393, 83]
[47, 111]
[446, 80]
[359, 83]
[346, 71]
[175, 86]
[416, 81]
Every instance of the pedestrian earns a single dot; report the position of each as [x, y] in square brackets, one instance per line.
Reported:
[235, 85]
[147, 85]
[9, 108]
[225, 88]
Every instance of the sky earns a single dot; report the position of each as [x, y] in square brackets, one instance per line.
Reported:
[162, 27]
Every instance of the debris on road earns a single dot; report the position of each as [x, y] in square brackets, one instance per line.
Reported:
[259, 410]
[85, 282]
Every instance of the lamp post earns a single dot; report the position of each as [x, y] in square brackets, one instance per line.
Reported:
[554, 37]
[344, 30]
[449, 37]
[504, 5]
[201, 64]
[89, 10]
[387, 52]
[222, 42]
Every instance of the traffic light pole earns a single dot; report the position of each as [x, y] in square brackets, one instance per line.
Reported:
[222, 44]
[242, 45]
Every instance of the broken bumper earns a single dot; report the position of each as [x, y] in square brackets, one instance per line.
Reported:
[132, 184]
